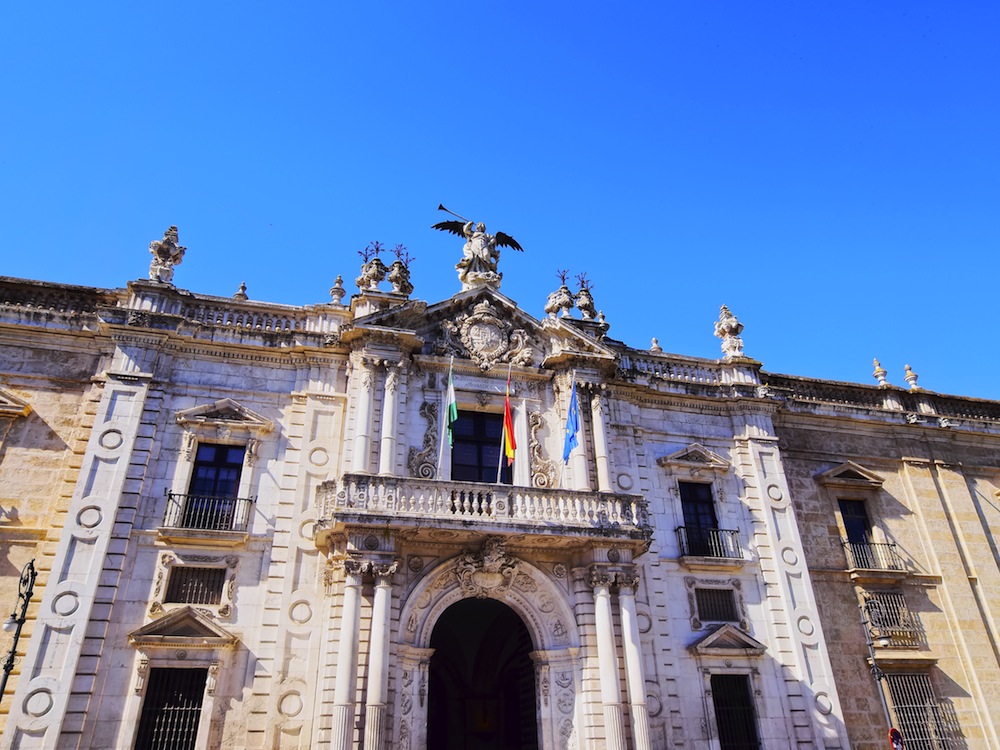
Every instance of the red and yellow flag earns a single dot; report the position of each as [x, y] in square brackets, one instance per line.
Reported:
[509, 444]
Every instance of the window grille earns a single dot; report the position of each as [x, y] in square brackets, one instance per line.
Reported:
[171, 709]
[889, 617]
[716, 605]
[922, 720]
[191, 585]
[734, 712]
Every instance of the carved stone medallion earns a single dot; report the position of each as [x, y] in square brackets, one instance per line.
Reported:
[489, 572]
[485, 335]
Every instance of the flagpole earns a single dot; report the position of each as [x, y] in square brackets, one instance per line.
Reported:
[569, 409]
[503, 430]
[444, 422]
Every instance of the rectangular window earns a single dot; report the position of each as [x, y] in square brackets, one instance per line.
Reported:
[734, 712]
[211, 502]
[475, 453]
[700, 535]
[919, 716]
[171, 709]
[191, 585]
[716, 605]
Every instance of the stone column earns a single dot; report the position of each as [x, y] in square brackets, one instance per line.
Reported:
[378, 658]
[578, 459]
[607, 660]
[387, 452]
[627, 583]
[363, 418]
[600, 442]
[347, 658]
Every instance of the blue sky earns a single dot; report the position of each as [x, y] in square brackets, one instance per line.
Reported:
[830, 171]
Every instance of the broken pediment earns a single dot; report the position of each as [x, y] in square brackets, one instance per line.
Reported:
[695, 456]
[186, 627]
[226, 414]
[727, 640]
[12, 406]
[850, 474]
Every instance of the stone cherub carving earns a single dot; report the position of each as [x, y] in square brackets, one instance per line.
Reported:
[481, 252]
[166, 254]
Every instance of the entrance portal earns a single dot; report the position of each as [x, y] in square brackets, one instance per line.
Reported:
[482, 681]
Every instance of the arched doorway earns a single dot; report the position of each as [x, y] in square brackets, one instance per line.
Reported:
[482, 683]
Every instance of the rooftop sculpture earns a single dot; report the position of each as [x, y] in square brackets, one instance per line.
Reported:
[480, 253]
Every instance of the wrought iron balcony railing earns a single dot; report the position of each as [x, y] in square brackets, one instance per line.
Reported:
[207, 513]
[873, 556]
[700, 542]
[358, 498]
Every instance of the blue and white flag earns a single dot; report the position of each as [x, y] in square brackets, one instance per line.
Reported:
[572, 425]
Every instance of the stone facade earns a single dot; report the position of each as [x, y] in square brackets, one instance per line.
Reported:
[345, 541]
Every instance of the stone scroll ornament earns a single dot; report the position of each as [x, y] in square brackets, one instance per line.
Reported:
[489, 572]
[481, 251]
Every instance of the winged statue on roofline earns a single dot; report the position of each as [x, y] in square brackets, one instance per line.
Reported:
[481, 252]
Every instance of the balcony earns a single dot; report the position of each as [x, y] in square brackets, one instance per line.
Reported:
[709, 548]
[873, 560]
[205, 519]
[425, 507]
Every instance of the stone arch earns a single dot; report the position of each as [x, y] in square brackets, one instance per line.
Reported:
[545, 610]
[542, 606]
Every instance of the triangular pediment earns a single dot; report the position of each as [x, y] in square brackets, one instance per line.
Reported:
[224, 413]
[695, 456]
[728, 640]
[183, 627]
[484, 326]
[850, 474]
[12, 406]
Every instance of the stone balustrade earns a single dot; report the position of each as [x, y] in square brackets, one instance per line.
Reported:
[524, 509]
[664, 368]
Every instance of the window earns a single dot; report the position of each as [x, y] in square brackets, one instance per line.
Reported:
[700, 535]
[862, 551]
[475, 454]
[211, 502]
[191, 585]
[734, 712]
[172, 709]
[716, 605]
[921, 719]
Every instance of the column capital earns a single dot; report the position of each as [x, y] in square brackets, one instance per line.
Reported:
[628, 581]
[384, 572]
[601, 578]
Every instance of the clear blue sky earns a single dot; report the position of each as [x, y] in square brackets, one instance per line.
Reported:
[830, 171]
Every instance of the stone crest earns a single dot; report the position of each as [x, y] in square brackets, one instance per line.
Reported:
[489, 572]
[485, 337]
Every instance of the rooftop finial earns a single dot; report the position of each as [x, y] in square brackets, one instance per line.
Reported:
[728, 328]
[166, 254]
[241, 293]
[879, 373]
[911, 378]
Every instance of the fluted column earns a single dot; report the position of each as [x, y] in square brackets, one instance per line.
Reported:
[378, 653]
[387, 452]
[347, 658]
[363, 418]
[607, 660]
[627, 583]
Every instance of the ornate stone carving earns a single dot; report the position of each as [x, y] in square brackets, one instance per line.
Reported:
[728, 328]
[560, 302]
[422, 463]
[485, 335]
[399, 277]
[543, 470]
[166, 254]
[489, 572]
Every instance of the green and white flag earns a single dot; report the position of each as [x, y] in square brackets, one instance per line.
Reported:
[451, 413]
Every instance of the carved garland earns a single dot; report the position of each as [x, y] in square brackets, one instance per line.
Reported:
[543, 470]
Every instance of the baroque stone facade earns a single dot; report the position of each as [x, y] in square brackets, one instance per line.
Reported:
[264, 498]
